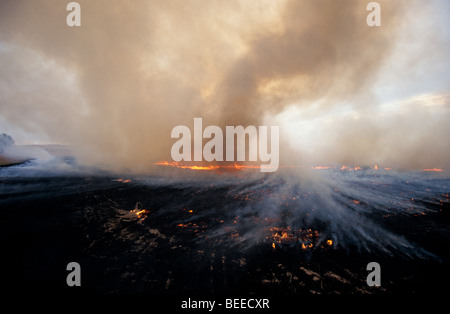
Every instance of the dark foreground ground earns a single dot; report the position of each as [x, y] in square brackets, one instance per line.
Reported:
[174, 240]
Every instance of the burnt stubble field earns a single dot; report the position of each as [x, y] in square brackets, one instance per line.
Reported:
[215, 235]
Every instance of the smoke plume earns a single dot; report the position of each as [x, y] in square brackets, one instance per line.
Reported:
[116, 86]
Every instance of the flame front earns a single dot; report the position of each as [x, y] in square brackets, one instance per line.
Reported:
[180, 165]
[433, 170]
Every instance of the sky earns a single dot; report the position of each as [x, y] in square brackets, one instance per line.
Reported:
[341, 91]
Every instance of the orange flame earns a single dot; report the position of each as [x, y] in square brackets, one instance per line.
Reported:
[122, 180]
[140, 213]
[433, 170]
[235, 166]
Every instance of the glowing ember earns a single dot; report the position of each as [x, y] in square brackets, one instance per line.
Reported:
[141, 214]
[307, 238]
[123, 181]
[197, 229]
[182, 166]
[344, 167]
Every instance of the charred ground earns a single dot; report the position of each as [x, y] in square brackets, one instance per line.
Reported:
[142, 236]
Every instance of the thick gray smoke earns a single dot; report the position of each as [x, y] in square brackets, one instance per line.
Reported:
[116, 86]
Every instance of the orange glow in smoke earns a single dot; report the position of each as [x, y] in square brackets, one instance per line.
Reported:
[235, 166]
[433, 170]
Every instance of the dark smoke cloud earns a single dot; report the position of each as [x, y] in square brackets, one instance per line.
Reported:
[115, 87]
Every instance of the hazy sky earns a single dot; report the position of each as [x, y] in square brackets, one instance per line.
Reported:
[341, 91]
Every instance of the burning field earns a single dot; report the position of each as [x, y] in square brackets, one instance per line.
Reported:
[264, 148]
[237, 232]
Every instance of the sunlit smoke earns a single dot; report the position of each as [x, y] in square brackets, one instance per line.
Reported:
[116, 86]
